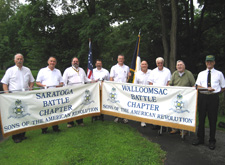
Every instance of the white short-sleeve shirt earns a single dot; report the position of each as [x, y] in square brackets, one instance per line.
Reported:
[17, 79]
[49, 77]
[74, 76]
[217, 80]
[160, 77]
[101, 74]
[141, 77]
[119, 73]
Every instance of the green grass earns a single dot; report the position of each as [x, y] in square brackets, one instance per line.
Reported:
[96, 143]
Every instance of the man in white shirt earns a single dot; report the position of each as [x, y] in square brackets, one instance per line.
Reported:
[100, 73]
[18, 78]
[50, 77]
[141, 77]
[208, 100]
[120, 73]
[72, 76]
[160, 76]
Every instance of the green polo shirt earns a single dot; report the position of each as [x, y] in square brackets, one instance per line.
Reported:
[187, 79]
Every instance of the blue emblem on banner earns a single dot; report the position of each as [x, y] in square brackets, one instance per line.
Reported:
[113, 96]
[179, 105]
[18, 110]
[87, 98]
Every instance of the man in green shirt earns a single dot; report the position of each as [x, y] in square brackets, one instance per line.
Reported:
[181, 77]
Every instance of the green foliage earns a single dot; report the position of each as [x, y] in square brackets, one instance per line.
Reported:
[96, 143]
[36, 31]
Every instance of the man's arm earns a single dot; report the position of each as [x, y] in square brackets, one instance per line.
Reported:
[168, 83]
[31, 84]
[209, 88]
[40, 84]
[60, 85]
[5, 88]
[150, 83]
[111, 79]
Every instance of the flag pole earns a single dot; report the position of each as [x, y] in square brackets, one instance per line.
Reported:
[90, 63]
[136, 57]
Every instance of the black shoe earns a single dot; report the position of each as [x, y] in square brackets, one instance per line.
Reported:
[164, 129]
[221, 124]
[197, 142]
[17, 140]
[155, 127]
[212, 145]
[44, 132]
[23, 138]
[57, 130]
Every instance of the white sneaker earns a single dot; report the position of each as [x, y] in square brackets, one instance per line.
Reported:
[125, 121]
[116, 120]
[143, 124]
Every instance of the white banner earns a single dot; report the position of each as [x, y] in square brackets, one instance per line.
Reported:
[167, 106]
[21, 111]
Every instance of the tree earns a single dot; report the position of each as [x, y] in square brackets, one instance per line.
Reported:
[173, 36]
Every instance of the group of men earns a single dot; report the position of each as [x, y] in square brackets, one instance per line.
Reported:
[210, 83]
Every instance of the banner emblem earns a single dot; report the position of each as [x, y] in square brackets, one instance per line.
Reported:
[18, 111]
[113, 96]
[87, 98]
[179, 105]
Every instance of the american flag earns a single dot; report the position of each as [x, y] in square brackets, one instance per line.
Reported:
[90, 66]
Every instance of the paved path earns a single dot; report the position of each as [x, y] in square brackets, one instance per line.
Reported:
[181, 151]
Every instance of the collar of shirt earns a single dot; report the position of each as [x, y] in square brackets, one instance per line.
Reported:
[144, 72]
[160, 70]
[18, 67]
[50, 69]
[212, 70]
[120, 65]
[76, 69]
[181, 74]
[98, 70]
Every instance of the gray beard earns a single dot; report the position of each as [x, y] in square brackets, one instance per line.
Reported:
[75, 66]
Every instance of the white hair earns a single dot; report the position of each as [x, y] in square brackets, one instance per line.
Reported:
[17, 54]
[180, 61]
[159, 59]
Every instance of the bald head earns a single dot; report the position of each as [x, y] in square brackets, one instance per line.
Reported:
[144, 66]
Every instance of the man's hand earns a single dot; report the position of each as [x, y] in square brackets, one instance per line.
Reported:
[210, 89]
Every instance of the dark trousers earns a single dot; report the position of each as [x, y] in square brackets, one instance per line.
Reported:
[78, 122]
[207, 105]
[18, 136]
[54, 127]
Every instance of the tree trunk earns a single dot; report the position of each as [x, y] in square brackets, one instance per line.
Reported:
[199, 30]
[164, 35]
[173, 36]
[90, 6]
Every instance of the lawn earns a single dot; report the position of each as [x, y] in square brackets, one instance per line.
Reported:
[95, 143]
